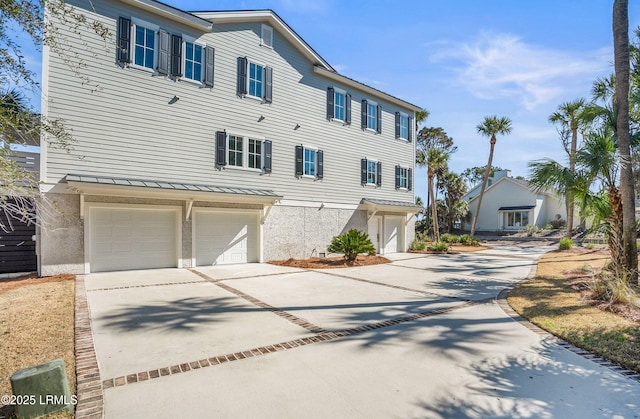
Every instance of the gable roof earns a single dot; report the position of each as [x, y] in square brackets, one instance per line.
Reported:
[521, 183]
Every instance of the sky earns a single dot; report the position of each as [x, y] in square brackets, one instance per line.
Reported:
[461, 60]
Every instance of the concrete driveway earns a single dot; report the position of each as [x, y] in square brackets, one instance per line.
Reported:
[420, 337]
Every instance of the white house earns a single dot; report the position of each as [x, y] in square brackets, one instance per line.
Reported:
[211, 138]
[511, 204]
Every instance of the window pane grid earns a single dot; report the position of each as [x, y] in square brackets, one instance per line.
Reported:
[371, 172]
[255, 154]
[339, 106]
[235, 151]
[404, 176]
[517, 219]
[255, 80]
[193, 61]
[309, 162]
[371, 116]
[404, 126]
[144, 47]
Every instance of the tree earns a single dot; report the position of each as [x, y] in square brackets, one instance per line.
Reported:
[456, 208]
[571, 117]
[490, 127]
[474, 175]
[436, 160]
[622, 71]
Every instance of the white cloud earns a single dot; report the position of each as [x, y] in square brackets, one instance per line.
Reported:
[498, 66]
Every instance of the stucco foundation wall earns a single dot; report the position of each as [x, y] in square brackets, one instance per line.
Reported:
[303, 232]
[61, 235]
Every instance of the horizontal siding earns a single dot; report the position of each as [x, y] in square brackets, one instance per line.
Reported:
[127, 128]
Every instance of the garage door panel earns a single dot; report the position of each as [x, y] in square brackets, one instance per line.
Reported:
[127, 238]
[224, 238]
[392, 234]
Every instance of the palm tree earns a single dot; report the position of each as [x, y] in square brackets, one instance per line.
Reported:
[436, 161]
[571, 116]
[490, 127]
[622, 71]
[454, 189]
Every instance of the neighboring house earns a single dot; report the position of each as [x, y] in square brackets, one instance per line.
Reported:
[511, 204]
[211, 138]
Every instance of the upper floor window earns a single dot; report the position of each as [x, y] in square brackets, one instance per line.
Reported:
[193, 61]
[371, 172]
[144, 44]
[243, 152]
[403, 126]
[404, 177]
[266, 38]
[309, 162]
[254, 80]
[338, 105]
[371, 116]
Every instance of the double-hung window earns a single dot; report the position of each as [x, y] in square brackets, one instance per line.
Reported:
[371, 116]
[254, 80]
[403, 126]
[309, 162]
[144, 44]
[243, 151]
[193, 61]
[371, 172]
[338, 105]
[404, 177]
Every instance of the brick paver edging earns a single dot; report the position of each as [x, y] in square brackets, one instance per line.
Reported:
[265, 350]
[504, 305]
[89, 387]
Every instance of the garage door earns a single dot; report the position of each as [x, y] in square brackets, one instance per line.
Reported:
[125, 238]
[392, 234]
[224, 237]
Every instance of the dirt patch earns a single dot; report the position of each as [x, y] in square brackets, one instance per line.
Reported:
[8, 284]
[334, 262]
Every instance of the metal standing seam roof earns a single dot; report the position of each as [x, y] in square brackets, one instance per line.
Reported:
[521, 207]
[159, 184]
[390, 203]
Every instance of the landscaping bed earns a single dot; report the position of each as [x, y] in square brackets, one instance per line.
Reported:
[332, 262]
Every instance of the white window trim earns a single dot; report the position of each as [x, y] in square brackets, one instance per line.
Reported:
[375, 182]
[132, 43]
[374, 104]
[185, 39]
[514, 227]
[404, 115]
[249, 95]
[306, 147]
[262, 30]
[245, 152]
[404, 188]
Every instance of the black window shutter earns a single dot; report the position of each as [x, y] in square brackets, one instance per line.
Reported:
[242, 76]
[320, 168]
[379, 119]
[363, 171]
[397, 124]
[330, 102]
[209, 59]
[397, 176]
[267, 157]
[163, 53]
[379, 174]
[363, 119]
[347, 109]
[409, 178]
[124, 40]
[268, 84]
[299, 164]
[409, 130]
[221, 148]
[176, 55]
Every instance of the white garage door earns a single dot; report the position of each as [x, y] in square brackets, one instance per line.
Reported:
[224, 237]
[125, 238]
[392, 234]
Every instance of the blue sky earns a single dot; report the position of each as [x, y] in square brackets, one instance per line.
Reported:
[462, 60]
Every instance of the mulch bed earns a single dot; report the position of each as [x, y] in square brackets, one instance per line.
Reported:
[333, 262]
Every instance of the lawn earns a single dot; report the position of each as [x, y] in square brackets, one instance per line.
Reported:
[36, 325]
[549, 301]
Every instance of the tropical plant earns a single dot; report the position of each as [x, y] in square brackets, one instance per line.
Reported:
[455, 208]
[474, 175]
[351, 244]
[417, 244]
[449, 238]
[565, 243]
[490, 127]
[438, 247]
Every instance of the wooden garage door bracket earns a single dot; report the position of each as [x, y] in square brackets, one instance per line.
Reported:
[371, 214]
[82, 206]
[189, 205]
[265, 212]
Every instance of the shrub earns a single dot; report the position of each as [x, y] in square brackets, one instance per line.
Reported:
[591, 246]
[352, 243]
[566, 243]
[466, 240]
[547, 227]
[417, 245]
[558, 223]
[613, 291]
[449, 238]
[438, 247]
[532, 230]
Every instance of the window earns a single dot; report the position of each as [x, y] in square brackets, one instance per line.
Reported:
[144, 42]
[371, 172]
[371, 116]
[243, 152]
[193, 61]
[267, 36]
[309, 162]
[403, 126]
[338, 105]
[254, 80]
[404, 177]
[516, 219]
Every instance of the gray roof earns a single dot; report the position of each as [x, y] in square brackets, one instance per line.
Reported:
[513, 208]
[160, 184]
[390, 203]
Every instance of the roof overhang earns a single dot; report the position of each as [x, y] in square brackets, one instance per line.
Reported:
[172, 13]
[517, 208]
[332, 75]
[136, 188]
[272, 19]
[381, 205]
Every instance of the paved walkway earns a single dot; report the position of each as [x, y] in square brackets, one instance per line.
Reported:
[420, 337]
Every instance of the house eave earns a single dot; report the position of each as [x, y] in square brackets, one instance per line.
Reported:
[172, 13]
